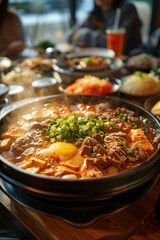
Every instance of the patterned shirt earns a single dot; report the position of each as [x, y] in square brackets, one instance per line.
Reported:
[153, 44]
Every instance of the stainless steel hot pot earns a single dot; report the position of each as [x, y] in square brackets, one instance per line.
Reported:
[117, 191]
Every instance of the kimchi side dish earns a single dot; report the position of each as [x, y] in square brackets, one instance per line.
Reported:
[78, 141]
[90, 85]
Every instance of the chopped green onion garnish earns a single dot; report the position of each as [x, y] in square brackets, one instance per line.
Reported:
[123, 116]
[98, 155]
[69, 128]
[129, 151]
[134, 125]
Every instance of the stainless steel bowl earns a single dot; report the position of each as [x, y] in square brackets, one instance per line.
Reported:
[16, 93]
[45, 86]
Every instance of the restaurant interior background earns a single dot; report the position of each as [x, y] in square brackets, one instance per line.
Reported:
[50, 19]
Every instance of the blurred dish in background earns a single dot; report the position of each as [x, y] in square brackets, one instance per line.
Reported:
[36, 64]
[143, 62]
[68, 74]
[93, 59]
[93, 85]
[25, 71]
[153, 105]
[140, 84]
[17, 76]
[89, 63]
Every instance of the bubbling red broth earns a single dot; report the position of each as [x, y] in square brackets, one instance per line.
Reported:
[78, 141]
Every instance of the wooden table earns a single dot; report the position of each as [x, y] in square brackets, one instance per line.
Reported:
[136, 222]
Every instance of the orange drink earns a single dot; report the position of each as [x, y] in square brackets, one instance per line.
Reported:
[115, 40]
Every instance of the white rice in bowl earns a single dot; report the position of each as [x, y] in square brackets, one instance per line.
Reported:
[141, 84]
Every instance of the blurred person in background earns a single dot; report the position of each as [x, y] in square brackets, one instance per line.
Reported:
[11, 32]
[92, 32]
[152, 46]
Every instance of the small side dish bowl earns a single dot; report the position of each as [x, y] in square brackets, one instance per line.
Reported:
[92, 85]
[142, 62]
[140, 84]
[45, 86]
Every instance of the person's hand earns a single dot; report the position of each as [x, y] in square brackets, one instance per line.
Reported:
[16, 46]
[14, 49]
[75, 37]
[77, 42]
[81, 44]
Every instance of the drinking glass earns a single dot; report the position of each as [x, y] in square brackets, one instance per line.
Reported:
[115, 40]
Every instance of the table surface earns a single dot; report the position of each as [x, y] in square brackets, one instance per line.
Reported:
[140, 221]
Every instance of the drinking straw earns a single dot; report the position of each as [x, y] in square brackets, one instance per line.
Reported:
[117, 17]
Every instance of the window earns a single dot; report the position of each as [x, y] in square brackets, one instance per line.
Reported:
[43, 19]
[144, 9]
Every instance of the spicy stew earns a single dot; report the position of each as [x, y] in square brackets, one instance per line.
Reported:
[78, 141]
